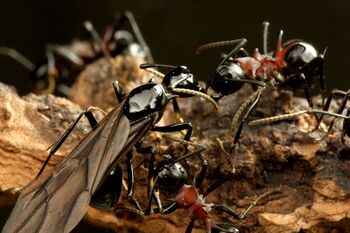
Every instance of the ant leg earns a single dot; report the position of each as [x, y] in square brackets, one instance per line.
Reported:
[341, 108]
[346, 127]
[119, 91]
[90, 28]
[135, 28]
[51, 72]
[69, 56]
[320, 68]
[234, 51]
[254, 99]
[176, 128]
[97, 39]
[296, 78]
[92, 121]
[190, 226]
[20, 58]
[131, 181]
[242, 215]
[218, 183]
[200, 177]
[318, 65]
[177, 111]
[121, 208]
[334, 92]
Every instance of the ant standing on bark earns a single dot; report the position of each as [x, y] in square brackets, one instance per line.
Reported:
[169, 177]
[294, 64]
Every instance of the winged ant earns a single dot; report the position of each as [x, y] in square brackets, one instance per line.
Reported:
[56, 203]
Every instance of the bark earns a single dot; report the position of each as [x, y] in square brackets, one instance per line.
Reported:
[312, 173]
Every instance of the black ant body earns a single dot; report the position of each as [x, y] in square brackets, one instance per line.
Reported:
[293, 64]
[62, 62]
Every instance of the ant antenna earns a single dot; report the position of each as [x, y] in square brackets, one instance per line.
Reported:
[151, 65]
[138, 34]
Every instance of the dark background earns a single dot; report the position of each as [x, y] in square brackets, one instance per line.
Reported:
[174, 28]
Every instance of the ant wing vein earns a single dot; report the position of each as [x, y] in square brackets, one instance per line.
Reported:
[58, 202]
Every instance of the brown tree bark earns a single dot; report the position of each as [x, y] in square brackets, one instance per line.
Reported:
[312, 173]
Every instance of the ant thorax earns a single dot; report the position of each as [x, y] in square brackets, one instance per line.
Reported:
[259, 67]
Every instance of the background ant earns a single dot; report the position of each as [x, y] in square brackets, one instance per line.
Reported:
[293, 64]
[62, 63]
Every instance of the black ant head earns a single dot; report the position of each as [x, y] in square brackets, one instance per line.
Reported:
[179, 81]
[170, 178]
[182, 73]
[224, 80]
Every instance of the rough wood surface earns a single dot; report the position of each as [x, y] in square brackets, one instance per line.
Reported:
[313, 173]
[93, 85]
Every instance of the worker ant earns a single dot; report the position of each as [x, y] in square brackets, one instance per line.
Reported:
[63, 62]
[337, 114]
[169, 176]
[294, 64]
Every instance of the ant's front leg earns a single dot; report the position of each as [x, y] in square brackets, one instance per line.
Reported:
[92, 121]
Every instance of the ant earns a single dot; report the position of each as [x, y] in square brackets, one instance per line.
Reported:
[293, 64]
[170, 177]
[337, 114]
[62, 62]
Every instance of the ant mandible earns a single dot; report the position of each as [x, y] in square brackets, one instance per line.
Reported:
[293, 64]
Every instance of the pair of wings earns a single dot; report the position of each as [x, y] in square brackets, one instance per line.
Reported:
[57, 203]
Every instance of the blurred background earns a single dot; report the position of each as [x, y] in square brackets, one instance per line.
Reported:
[173, 30]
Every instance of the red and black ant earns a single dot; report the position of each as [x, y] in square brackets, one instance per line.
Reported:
[293, 64]
[189, 198]
[62, 62]
[169, 176]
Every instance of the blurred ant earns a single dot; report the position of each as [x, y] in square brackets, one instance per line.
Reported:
[337, 114]
[62, 62]
[293, 64]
